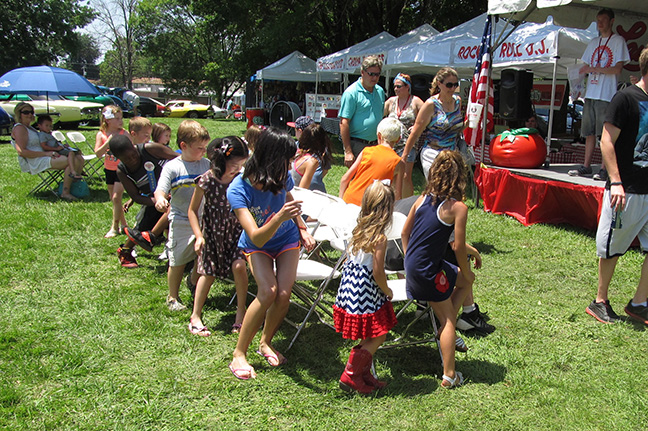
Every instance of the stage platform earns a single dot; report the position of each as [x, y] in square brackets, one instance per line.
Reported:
[541, 195]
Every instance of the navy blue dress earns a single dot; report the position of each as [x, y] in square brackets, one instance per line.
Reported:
[429, 277]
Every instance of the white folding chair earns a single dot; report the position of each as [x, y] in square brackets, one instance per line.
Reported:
[58, 135]
[92, 164]
[400, 294]
[339, 218]
[424, 311]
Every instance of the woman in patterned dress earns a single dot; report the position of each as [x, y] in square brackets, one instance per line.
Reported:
[440, 120]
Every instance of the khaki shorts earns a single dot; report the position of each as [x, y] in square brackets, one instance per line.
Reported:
[180, 246]
[612, 241]
[593, 117]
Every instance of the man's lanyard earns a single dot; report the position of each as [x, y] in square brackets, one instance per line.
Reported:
[600, 51]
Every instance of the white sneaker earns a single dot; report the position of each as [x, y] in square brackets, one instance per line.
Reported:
[163, 255]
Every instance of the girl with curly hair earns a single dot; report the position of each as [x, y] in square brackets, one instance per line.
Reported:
[430, 223]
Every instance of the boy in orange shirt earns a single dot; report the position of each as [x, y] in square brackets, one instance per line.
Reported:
[379, 162]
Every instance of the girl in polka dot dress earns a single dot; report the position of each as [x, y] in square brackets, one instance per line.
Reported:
[217, 241]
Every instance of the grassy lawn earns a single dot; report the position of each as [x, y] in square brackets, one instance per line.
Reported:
[85, 344]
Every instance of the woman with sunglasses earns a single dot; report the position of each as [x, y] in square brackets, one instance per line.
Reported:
[439, 121]
[404, 106]
[31, 156]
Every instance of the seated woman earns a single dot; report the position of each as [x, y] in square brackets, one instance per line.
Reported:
[31, 156]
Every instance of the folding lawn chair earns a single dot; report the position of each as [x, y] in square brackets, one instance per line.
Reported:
[339, 220]
[50, 180]
[93, 164]
[400, 294]
[58, 135]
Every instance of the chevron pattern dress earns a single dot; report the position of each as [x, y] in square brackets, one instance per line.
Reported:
[361, 309]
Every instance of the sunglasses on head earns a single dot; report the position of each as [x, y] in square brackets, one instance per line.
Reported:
[452, 84]
[30, 112]
[372, 74]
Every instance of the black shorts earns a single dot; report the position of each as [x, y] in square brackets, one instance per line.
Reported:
[149, 219]
[111, 177]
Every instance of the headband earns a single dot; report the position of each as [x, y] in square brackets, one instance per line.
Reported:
[400, 77]
[108, 114]
[224, 148]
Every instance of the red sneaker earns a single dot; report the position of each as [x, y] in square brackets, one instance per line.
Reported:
[126, 258]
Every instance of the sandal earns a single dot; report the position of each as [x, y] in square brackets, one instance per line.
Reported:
[197, 330]
[460, 345]
[239, 372]
[449, 383]
[272, 359]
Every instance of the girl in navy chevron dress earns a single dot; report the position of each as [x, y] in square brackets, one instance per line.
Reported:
[362, 309]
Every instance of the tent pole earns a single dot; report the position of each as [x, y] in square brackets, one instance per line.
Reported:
[551, 109]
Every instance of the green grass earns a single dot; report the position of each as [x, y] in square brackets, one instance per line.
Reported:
[87, 345]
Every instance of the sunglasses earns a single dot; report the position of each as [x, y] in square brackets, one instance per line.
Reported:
[399, 86]
[31, 112]
[452, 84]
[372, 74]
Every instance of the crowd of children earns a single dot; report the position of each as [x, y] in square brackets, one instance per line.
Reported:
[234, 211]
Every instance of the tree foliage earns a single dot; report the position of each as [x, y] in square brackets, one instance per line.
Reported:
[117, 17]
[38, 32]
[211, 44]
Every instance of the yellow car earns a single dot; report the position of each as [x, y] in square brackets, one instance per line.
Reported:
[187, 108]
[71, 113]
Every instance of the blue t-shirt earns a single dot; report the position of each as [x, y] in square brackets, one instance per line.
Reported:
[363, 109]
[263, 206]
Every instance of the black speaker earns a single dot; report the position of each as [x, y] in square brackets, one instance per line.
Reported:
[515, 94]
[421, 85]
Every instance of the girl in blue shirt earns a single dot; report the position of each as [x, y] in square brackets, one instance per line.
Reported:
[273, 231]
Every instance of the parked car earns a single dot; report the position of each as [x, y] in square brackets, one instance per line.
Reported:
[6, 122]
[219, 112]
[187, 108]
[8, 106]
[150, 107]
[71, 113]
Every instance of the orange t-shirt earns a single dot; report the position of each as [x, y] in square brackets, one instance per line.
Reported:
[110, 161]
[377, 163]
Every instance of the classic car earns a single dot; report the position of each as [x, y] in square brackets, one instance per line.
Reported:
[187, 108]
[8, 107]
[219, 112]
[71, 113]
[149, 107]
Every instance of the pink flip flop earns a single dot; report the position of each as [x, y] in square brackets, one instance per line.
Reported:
[197, 330]
[238, 372]
[274, 357]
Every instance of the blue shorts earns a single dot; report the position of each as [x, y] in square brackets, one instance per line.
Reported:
[438, 289]
[273, 254]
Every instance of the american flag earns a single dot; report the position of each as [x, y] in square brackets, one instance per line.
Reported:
[478, 88]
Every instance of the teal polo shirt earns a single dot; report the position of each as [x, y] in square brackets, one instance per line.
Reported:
[363, 109]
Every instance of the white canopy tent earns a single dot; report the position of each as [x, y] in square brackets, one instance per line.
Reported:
[533, 46]
[630, 20]
[337, 62]
[295, 67]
